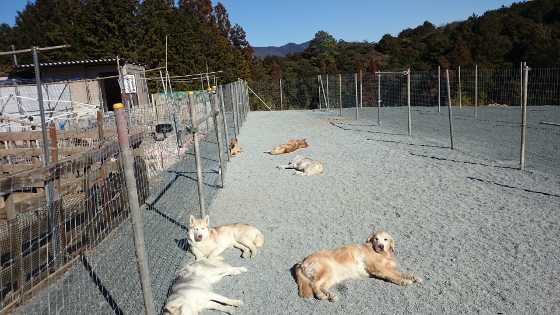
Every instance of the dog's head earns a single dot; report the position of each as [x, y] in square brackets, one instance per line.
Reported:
[302, 143]
[382, 242]
[199, 228]
[233, 142]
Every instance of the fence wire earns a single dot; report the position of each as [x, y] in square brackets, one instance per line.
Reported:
[75, 253]
[65, 233]
[486, 107]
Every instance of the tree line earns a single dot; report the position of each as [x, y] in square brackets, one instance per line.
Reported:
[189, 36]
[194, 36]
[502, 38]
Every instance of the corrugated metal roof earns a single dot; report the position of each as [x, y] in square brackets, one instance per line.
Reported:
[81, 62]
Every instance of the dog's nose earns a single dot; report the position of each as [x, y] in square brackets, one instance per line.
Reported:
[381, 246]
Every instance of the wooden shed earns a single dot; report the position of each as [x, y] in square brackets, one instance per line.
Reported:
[109, 90]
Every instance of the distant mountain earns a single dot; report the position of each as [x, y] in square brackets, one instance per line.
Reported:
[281, 51]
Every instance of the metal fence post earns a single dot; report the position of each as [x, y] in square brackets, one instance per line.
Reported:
[216, 109]
[194, 131]
[439, 89]
[128, 165]
[524, 115]
[356, 91]
[475, 91]
[449, 107]
[408, 101]
[340, 92]
[378, 98]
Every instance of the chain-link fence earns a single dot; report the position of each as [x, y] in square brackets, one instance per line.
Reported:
[67, 244]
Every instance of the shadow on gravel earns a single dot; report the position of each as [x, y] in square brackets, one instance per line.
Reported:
[513, 187]
[165, 216]
[193, 177]
[412, 144]
[463, 162]
[102, 289]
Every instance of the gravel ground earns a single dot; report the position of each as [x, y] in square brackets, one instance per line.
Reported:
[482, 234]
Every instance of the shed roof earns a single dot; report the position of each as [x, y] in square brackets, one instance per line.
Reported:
[80, 62]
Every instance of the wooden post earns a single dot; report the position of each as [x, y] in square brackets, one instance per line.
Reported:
[128, 166]
[101, 136]
[54, 155]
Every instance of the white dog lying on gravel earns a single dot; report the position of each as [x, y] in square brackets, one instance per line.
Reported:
[304, 166]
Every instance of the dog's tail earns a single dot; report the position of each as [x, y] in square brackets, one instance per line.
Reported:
[304, 285]
[259, 240]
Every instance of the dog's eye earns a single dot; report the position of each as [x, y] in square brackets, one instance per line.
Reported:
[385, 239]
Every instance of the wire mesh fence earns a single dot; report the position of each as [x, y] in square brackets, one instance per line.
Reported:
[66, 238]
[465, 99]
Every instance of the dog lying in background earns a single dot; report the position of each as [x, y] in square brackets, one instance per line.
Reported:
[233, 148]
[289, 146]
[207, 241]
[321, 270]
[191, 292]
[304, 166]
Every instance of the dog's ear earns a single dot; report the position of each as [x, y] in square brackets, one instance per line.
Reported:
[370, 238]
[207, 219]
[192, 219]
[391, 245]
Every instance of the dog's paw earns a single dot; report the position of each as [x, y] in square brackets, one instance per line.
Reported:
[246, 254]
[405, 282]
[416, 279]
[242, 269]
[333, 298]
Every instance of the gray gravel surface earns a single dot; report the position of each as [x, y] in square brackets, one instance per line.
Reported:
[482, 234]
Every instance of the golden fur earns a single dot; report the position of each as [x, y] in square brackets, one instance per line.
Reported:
[304, 166]
[233, 148]
[321, 270]
[289, 146]
[207, 241]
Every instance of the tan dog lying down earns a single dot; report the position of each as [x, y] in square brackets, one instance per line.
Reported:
[289, 146]
[304, 166]
[321, 270]
[207, 241]
[233, 148]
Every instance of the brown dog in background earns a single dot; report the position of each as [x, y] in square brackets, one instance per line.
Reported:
[289, 146]
[233, 148]
[321, 270]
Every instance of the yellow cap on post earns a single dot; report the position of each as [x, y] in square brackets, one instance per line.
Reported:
[118, 105]
[191, 92]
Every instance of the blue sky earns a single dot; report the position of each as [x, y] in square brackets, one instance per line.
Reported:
[276, 23]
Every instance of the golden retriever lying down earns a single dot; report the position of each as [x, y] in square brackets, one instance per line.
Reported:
[304, 166]
[289, 146]
[233, 148]
[321, 270]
